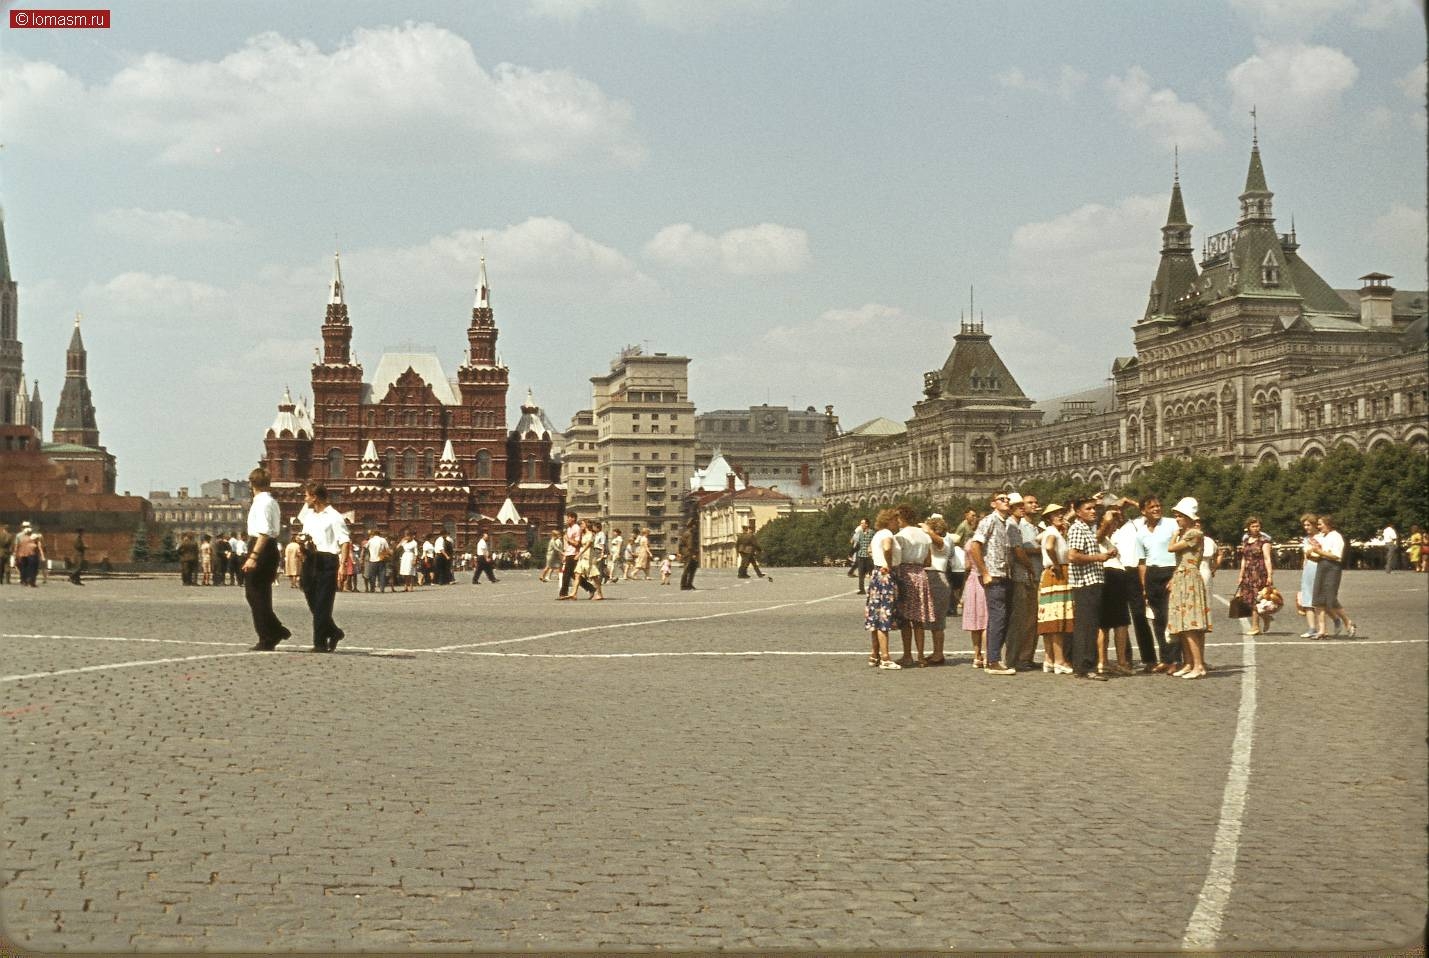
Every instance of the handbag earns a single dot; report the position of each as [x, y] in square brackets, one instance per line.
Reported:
[1240, 609]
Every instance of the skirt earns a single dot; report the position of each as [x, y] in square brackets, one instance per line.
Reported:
[878, 614]
[1327, 585]
[974, 603]
[1188, 609]
[915, 597]
[1115, 612]
[1305, 598]
[1054, 602]
[942, 599]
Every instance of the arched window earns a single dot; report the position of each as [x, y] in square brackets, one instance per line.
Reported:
[409, 464]
[429, 460]
[409, 418]
[982, 455]
[431, 417]
[370, 418]
[391, 463]
[334, 463]
[531, 469]
[390, 417]
[483, 465]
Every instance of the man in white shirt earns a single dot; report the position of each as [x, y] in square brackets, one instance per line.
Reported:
[1155, 566]
[442, 559]
[237, 550]
[1391, 548]
[598, 545]
[327, 530]
[261, 566]
[483, 560]
[569, 550]
[377, 551]
[614, 559]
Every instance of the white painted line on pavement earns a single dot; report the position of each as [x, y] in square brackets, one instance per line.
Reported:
[1204, 928]
[120, 665]
[626, 625]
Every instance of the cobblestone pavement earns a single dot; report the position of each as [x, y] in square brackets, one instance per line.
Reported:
[484, 768]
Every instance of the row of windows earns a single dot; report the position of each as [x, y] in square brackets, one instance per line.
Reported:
[413, 418]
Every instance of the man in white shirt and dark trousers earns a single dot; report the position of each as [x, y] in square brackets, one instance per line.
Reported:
[484, 563]
[1155, 566]
[330, 543]
[260, 568]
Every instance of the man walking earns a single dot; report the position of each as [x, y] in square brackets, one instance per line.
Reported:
[264, 518]
[989, 554]
[1086, 577]
[572, 545]
[79, 565]
[749, 549]
[238, 552]
[484, 564]
[1391, 548]
[332, 545]
[862, 561]
[376, 552]
[689, 549]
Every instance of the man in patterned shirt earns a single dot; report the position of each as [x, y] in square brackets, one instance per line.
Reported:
[989, 554]
[1086, 577]
[862, 561]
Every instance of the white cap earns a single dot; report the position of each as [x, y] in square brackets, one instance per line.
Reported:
[1014, 499]
[1186, 507]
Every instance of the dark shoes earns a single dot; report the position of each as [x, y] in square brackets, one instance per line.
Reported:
[334, 639]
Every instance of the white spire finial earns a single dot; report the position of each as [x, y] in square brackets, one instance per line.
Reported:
[335, 289]
[1176, 161]
[483, 288]
[77, 318]
[1254, 128]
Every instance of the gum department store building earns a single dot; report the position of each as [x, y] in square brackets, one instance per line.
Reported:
[1251, 358]
[410, 448]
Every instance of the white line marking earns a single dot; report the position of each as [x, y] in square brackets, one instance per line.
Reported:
[626, 625]
[1204, 928]
[119, 665]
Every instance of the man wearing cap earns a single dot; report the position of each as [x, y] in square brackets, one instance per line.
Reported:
[1155, 566]
[989, 554]
[7, 545]
[1026, 564]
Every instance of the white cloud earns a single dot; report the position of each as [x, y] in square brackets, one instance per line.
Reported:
[1413, 85]
[1294, 83]
[398, 91]
[145, 295]
[1069, 82]
[1302, 17]
[1402, 228]
[547, 258]
[167, 227]
[764, 249]
[675, 14]
[1168, 119]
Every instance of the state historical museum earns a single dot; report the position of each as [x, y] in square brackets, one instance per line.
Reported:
[410, 448]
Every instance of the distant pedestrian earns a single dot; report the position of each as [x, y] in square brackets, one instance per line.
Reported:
[205, 560]
[376, 551]
[689, 552]
[188, 559]
[264, 525]
[292, 561]
[1416, 549]
[484, 563]
[643, 555]
[237, 553]
[407, 569]
[220, 559]
[1391, 548]
[862, 563]
[79, 563]
[665, 569]
[7, 548]
[749, 549]
[1257, 570]
[588, 562]
[29, 554]
[1329, 553]
[553, 556]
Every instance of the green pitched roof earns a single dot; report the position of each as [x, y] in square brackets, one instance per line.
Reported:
[1176, 216]
[1255, 176]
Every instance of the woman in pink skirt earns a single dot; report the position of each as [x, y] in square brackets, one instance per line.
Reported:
[915, 596]
[975, 614]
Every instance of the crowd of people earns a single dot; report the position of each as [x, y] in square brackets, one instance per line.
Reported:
[1085, 577]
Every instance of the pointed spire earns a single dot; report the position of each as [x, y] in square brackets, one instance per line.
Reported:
[483, 288]
[1255, 175]
[287, 399]
[335, 288]
[75, 342]
[5, 276]
[448, 453]
[370, 453]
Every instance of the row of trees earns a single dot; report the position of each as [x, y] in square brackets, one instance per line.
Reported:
[1364, 491]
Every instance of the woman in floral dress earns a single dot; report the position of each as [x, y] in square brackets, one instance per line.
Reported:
[1188, 613]
[879, 616]
[1256, 572]
[1054, 594]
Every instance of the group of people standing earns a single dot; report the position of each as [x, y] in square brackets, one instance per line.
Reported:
[25, 553]
[1084, 577]
[211, 560]
[583, 557]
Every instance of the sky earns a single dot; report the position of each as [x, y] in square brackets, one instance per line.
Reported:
[799, 196]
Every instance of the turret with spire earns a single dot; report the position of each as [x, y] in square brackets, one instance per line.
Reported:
[483, 383]
[1255, 199]
[1177, 271]
[12, 355]
[481, 334]
[337, 330]
[74, 420]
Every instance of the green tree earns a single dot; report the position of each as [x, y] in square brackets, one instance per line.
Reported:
[169, 549]
[140, 552]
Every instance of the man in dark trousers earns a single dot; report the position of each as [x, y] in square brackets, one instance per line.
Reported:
[220, 559]
[78, 557]
[326, 530]
[690, 553]
[261, 564]
[749, 549]
[7, 545]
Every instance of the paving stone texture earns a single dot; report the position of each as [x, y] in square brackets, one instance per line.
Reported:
[485, 768]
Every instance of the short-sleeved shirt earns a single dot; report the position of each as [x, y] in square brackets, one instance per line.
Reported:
[327, 529]
[861, 538]
[915, 545]
[1081, 574]
[374, 548]
[1022, 534]
[992, 536]
[1151, 544]
[875, 549]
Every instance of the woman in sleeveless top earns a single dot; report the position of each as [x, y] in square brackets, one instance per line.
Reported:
[1054, 593]
[1188, 613]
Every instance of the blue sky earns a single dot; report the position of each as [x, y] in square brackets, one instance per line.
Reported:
[796, 195]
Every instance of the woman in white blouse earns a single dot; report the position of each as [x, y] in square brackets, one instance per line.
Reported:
[879, 616]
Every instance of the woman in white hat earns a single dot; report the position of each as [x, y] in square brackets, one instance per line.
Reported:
[1188, 613]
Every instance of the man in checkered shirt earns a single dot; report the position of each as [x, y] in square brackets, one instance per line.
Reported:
[1086, 578]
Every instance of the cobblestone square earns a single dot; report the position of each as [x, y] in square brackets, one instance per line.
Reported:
[487, 769]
